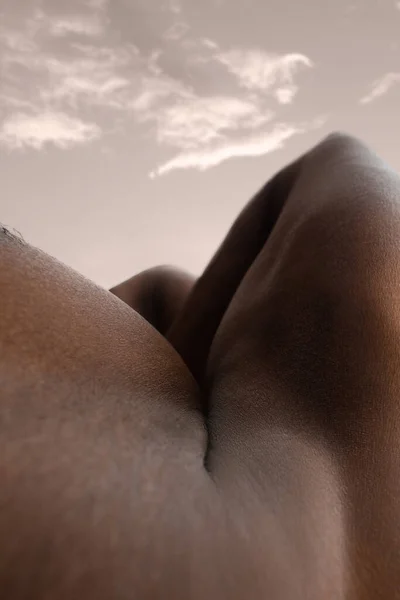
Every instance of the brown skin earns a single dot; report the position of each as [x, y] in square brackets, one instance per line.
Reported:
[276, 474]
[158, 294]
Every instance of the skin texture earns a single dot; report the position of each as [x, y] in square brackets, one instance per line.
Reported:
[158, 294]
[235, 437]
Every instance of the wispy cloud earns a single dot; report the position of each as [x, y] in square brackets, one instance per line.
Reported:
[176, 31]
[24, 130]
[97, 4]
[256, 145]
[94, 78]
[156, 92]
[249, 146]
[209, 43]
[39, 25]
[286, 94]
[380, 87]
[55, 69]
[256, 70]
[193, 121]
[39, 84]
[175, 7]
[207, 131]
[16, 41]
[89, 26]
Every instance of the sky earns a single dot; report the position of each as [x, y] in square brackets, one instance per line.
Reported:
[132, 132]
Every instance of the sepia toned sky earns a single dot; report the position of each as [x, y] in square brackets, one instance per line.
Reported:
[132, 132]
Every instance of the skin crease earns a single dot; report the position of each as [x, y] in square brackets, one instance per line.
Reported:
[231, 437]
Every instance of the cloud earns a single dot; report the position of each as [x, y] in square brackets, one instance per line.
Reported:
[197, 121]
[380, 87]
[256, 70]
[55, 69]
[15, 41]
[256, 145]
[76, 24]
[285, 95]
[42, 86]
[99, 5]
[209, 44]
[175, 7]
[87, 75]
[90, 24]
[176, 31]
[207, 131]
[154, 93]
[93, 79]
[24, 130]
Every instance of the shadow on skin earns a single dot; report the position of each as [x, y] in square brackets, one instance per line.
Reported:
[237, 440]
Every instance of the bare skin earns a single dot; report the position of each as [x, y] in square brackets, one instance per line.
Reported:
[241, 438]
[158, 294]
